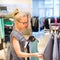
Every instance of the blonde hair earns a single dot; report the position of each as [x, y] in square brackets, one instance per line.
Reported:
[18, 14]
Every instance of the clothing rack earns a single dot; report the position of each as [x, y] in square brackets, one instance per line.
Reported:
[54, 27]
[53, 45]
[53, 24]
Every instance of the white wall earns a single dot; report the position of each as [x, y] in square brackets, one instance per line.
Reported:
[21, 4]
[15, 1]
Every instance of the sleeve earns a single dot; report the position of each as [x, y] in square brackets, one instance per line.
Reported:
[14, 35]
[19, 37]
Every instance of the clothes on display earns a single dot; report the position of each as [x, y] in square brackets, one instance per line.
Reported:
[46, 24]
[8, 30]
[47, 55]
[52, 20]
[51, 51]
[33, 49]
[55, 48]
[41, 21]
[55, 20]
[1, 32]
[58, 20]
[1, 44]
[2, 28]
[49, 20]
[59, 47]
[35, 24]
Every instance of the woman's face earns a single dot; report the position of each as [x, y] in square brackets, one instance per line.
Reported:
[23, 22]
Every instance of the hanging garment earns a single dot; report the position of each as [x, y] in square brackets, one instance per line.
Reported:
[55, 48]
[52, 20]
[47, 55]
[41, 22]
[58, 20]
[58, 39]
[46, 23]
[33, 46]
[55, 21]
[35, 24]
[2, 35]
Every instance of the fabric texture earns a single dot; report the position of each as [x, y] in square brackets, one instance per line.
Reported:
[22, 42]
[55, 48]
[33, 47]
[52, 50]
[47, 55]
[34, 24]
[58, 39]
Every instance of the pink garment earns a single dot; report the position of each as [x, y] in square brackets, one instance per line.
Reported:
[55, 22]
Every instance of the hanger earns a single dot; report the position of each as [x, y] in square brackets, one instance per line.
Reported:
[55, 27]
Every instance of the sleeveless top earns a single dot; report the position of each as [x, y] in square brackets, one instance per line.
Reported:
[11, 52]
[33, 48]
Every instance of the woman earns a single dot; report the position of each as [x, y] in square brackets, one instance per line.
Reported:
[17, 40]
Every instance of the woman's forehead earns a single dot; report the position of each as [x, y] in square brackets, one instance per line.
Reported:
[24, 18]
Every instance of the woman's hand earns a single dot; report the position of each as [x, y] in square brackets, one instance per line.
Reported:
[39, 55]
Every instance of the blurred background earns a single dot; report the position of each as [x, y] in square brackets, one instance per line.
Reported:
[43, 14]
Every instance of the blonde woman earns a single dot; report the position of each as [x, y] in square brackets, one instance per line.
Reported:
[17, 40]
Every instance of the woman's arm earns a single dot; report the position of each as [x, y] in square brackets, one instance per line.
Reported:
[18, 51]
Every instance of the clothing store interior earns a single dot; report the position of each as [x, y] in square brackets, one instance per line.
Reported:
[44, 25]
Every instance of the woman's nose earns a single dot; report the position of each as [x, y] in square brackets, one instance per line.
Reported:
[26, 26]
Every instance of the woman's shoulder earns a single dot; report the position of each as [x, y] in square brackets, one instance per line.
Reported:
[16, 32]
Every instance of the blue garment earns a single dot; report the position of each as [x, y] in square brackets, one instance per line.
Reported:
[2, 28]
[33, 46]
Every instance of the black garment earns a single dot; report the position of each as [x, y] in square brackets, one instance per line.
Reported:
[52, 20]
[7, 38]
[58, 20]
[46, 23]
[35, 24]
[1, 44]
[8, 30]
[28, 48]
[41, 28]
[28, 51]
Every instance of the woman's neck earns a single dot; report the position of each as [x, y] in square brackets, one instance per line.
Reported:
[17, 28]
